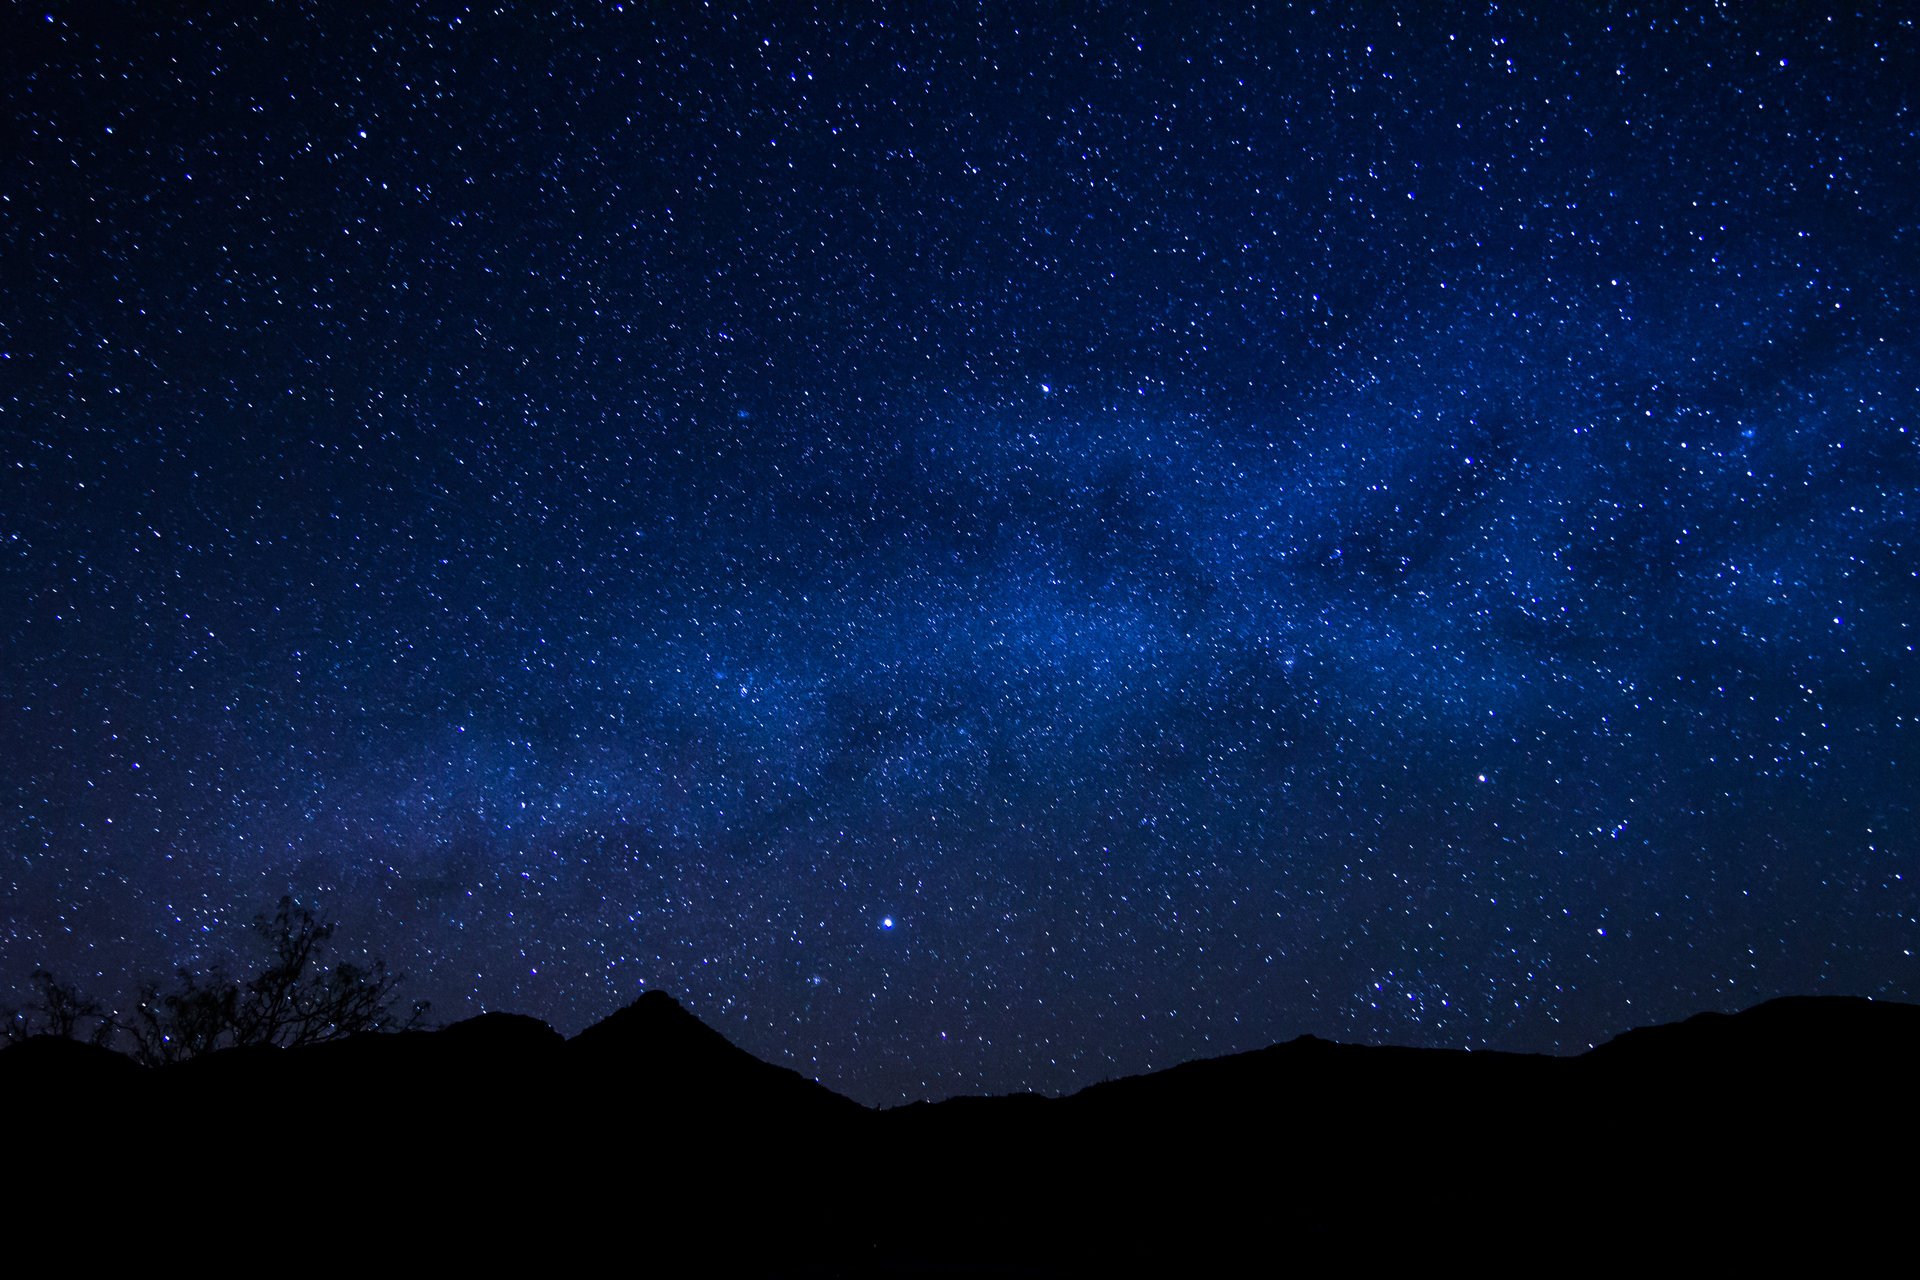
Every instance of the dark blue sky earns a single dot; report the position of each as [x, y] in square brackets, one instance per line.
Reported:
[981, 547]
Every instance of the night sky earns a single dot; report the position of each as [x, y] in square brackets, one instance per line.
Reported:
[981, 547]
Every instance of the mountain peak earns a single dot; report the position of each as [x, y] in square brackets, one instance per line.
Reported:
[657, 999]
[658, 1033]
[653, 1021]
[657, 1048]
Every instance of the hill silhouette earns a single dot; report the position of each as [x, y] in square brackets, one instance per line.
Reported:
[1787, 1126]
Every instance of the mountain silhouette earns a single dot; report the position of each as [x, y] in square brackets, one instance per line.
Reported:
[655, 1048]
[1794, 1035]
[1784, 1127]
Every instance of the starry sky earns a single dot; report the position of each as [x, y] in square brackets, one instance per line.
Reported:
[983, 547]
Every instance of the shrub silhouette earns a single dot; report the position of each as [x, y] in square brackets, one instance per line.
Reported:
[295, 999]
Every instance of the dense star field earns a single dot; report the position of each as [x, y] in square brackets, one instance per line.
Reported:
[980, 547]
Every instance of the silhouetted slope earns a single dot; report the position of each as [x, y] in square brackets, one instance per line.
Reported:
[650, 1067]
[43, 1065]
[1739, 1135]
[1274, 1078]
[513, 1036]
[1793, 1035]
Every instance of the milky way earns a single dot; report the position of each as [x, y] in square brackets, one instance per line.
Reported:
[982, 549]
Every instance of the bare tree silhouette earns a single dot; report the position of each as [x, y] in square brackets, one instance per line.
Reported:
[296, 998]
[62, 1011]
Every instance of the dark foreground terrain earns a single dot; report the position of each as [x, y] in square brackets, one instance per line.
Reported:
[651, 1144]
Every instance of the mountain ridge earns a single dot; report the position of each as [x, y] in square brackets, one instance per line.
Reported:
[655, 1034]
[1739, 1135]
